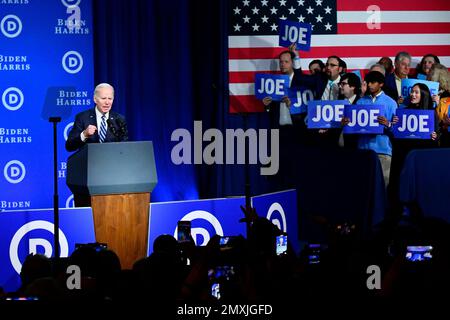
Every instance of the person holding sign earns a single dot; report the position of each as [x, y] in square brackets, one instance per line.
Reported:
[381, 68]
[420, 99]
[99, 124]
[380, 143]
[424, 67]
[292, 127]
[333, 69]
[440, 73]
[327, 89]
[402, 64]
[350, 89]
[281, 110]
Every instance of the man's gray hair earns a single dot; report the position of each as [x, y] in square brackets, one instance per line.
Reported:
[377, 65]
[103, 85]
[402, 55]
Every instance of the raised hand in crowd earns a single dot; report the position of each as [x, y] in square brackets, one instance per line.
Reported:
[287, 101]
[267, 100]
[385, 122]
[435, 98]
[395, 119]
[293, 47]
[250, 214]
[345, 121]
[434, 136]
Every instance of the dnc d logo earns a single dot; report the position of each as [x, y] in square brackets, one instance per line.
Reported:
[34, 242]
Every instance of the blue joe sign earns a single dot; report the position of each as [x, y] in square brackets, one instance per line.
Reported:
[299, 99]
[407, 85]
[294, 32]
[273, 85]
[325, 114]
[414, 124]
[363, 119]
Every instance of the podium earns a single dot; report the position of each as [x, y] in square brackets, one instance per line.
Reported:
[116, 180]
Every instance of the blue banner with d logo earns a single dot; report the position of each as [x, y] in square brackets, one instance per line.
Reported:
[281, 209]
[208, 218]
[46, 70]
[31, 232]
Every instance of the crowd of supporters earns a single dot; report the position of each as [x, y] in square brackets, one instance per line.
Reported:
[381, 85]
[249, 269]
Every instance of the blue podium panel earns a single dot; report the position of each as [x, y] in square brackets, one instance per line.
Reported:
[31, 231]
[46, 70]
[281, 209]
[208, 217]
[424, 181]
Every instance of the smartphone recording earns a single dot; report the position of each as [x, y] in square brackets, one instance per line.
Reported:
[281, 245]
[184, 231]
[419, 253]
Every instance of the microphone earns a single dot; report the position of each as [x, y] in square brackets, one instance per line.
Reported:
[112, 127]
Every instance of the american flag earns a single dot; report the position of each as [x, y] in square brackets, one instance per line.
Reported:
[358, 31]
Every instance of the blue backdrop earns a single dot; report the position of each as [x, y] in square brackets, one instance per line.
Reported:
[46, 69]
[168, 63]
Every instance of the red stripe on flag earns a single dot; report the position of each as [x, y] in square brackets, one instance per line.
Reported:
[411, 5]
[245, 104]
[245, 76]
[324, 52]
[254, 53]
[394, 28]
[249, 76]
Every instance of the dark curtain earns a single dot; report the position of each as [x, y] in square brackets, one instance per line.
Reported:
[168, 63]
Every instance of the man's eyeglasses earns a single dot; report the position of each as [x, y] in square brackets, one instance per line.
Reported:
[342, 84]
[331, 65]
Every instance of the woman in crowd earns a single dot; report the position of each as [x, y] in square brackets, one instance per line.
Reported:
[440, 73]
[419, 99]
[424, 67]
[387, 63]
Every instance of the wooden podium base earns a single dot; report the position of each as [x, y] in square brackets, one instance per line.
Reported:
[121, 221]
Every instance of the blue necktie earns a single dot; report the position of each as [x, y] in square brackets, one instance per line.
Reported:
[102, 132]
[330, 84]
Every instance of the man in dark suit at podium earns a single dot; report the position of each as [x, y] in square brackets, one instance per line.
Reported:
[100, 124]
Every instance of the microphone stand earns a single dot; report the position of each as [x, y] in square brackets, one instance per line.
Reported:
[55, 121]
[247, 173]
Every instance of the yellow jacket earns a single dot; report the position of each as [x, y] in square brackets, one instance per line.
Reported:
[442, 109]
